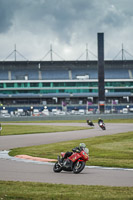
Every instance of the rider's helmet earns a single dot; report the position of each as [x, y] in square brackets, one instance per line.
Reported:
[82, 145]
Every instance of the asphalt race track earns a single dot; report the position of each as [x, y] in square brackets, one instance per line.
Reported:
[22, 170]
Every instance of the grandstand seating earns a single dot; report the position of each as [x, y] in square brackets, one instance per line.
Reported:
[3, 75]
[92, 73]
[62, 72]
[109, 73]
[22, 74]
[116, 74]
[55, 74]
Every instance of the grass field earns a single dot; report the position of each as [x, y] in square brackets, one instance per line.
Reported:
[112, 150]
[10, 190]
[30, 129]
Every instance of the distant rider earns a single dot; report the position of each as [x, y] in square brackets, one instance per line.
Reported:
[89, 122]
[100, 121]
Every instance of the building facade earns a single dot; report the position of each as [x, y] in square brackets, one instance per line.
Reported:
[73, 82]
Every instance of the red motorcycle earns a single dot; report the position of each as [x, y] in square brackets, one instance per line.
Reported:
[76, 162]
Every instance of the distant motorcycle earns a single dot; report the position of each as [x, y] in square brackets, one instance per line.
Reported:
[102, 126]
[76, 162]
[90, 123]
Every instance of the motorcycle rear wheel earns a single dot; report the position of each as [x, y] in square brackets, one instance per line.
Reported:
[78, 167]
[57, 167]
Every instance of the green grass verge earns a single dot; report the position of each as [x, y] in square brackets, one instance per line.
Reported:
[30, 129]
[118, 121]
[112, 150]
[10, 190]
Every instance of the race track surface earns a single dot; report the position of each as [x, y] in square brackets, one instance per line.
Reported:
[17, 170]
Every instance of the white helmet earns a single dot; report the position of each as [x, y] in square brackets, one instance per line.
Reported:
[82, 145]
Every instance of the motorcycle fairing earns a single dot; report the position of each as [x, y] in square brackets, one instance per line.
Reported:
[74, 157]
[62, 154]
[84, 155]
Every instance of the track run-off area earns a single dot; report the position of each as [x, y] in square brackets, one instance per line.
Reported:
[15, 169]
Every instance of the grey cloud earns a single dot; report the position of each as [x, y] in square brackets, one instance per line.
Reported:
[7, 9]
[68, 22]
[59, 15]
[113, 18]
[41, 16]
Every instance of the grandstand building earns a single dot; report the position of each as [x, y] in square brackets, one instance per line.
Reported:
[73, 82]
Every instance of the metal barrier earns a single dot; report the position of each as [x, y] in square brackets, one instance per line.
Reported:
[68, 117]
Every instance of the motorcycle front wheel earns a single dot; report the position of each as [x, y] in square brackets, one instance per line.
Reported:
[57, 167]
[78, 167]
[103, 128]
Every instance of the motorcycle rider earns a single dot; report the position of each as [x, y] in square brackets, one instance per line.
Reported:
[89, 122]
[100, 121]
[82, 146]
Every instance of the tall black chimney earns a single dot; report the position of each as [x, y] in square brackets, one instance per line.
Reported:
[101, 90]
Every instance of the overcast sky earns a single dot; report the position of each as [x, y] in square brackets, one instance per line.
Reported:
[69, 26]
